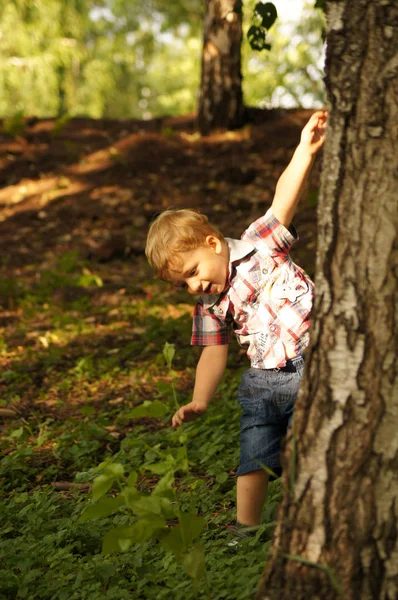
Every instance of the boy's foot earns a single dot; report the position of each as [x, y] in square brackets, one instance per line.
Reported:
[240, 532]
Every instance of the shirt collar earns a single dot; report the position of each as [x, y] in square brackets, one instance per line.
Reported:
[238, 249]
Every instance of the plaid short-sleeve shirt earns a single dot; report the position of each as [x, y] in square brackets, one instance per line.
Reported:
[267, 302]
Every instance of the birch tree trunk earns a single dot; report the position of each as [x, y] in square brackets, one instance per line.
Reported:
[339, 517]
[221, 99]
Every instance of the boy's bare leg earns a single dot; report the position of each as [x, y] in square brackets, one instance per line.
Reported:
[251, 490]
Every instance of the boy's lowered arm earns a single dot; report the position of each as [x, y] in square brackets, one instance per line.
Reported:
[209, 372]
[291, 182]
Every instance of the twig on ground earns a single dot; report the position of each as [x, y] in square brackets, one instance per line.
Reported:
[7, 413]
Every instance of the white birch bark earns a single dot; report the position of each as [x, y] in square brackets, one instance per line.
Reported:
[342, 513]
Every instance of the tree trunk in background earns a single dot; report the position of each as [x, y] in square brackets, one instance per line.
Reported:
[221, 100]
[340, 510]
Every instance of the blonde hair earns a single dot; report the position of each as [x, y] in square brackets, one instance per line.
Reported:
[175, 231]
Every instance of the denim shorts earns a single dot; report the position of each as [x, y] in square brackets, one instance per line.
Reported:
[267, 398]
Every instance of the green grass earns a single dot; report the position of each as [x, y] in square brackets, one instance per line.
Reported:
[83, 349]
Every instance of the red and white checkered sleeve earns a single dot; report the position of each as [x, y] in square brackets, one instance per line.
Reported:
[271, 231]
[207, 329]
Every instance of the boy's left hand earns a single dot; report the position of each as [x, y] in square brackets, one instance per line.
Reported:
[188, 412]
[313, 134]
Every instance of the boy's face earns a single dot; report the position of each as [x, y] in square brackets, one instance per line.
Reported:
[203, 270]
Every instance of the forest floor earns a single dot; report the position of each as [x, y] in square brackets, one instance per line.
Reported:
[82, 327]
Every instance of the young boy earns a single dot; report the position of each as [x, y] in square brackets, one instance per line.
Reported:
[252, 286]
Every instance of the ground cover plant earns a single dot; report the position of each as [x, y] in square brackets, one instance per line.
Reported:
[100, 498]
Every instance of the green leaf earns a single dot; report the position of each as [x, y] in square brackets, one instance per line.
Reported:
[267, 12]
[182, 438]
[87, 411]
[173, 542]
[17, 433]
[169, 507]
[118, 539]
[144, 528]
[168, 353]
[182, 459]
[191, 527]
[163, 466]
[101, 485]
[121, 538]
[152, 506]
[132, 479]
[105, 570]
[149, 409]
[103, 508]
[222, 477]
[180, 537]
[163, 388]
[165, 485]
[88, 280]
[146, 505]
[194, 562]
[129, 495]
[256, 37]
[115, 470]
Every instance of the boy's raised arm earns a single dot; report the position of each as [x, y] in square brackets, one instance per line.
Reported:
[209, 372]
[291, 182]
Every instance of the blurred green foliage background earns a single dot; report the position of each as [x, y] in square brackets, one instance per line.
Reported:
[134, 59]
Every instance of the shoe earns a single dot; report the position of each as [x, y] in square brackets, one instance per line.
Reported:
[240, 532]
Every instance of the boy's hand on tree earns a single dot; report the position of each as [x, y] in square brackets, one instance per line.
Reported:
[188, 412]
[313, 134]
